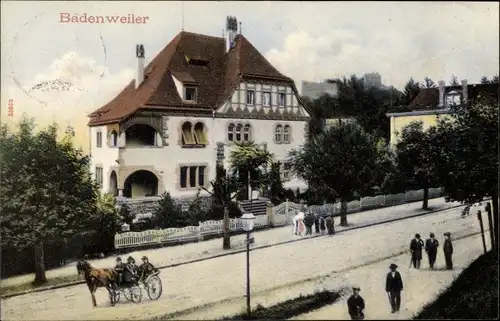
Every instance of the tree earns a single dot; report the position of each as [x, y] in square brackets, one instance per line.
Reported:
[494, 80]
[276, 188]
[411, 90]
[467, 157]
[429, 83]
[196, 213]
[225, 188]
[247, 162]
[168, 214]
[47, 192]
[454, 81]
[339, 162]
[484, 80]
[126, 214]
[108, 222]
[414, 158]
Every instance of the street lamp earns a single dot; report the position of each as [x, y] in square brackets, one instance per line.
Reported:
[248, 222]
[125, 227]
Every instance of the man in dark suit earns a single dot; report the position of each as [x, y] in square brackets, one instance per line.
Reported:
[431, 247]
[393, 287]
[448, 251]
[356, 305]
[416, 246]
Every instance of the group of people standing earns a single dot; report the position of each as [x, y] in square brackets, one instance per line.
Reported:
[304, 223]
[394, 281]
[431, 248]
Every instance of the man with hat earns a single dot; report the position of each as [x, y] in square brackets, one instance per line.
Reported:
[431, 247]
[146, 268]
[356, 304]
[416, 246]
[119, 268]
[393, 287]
[448, 251]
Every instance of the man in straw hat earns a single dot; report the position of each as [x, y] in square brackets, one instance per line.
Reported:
[356, 304]
[448, 251]
[393, 287]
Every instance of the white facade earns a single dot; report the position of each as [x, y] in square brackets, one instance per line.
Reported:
[167, 162]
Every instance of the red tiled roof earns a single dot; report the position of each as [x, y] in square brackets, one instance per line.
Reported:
[428, 98]
[216, 81]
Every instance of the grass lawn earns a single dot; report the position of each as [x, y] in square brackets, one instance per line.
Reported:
[473, 295]
[290, 308]
[4, 290]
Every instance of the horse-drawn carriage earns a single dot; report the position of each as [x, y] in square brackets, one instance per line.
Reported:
[132, 291]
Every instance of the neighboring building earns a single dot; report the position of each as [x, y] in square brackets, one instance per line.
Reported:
[314, 90]
[168, 128]
[372, 79]
[432, 103]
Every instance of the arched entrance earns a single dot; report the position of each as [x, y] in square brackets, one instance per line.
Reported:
[140, 184]
[113, 184]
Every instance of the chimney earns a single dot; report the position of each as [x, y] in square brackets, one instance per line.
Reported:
[441, 93]
[231, 30]
[139, 53]
[465, 94]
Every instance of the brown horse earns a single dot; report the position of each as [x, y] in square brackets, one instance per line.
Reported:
[97, 278]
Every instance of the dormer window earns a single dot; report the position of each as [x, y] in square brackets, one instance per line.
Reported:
[190, 93]
[453, 98]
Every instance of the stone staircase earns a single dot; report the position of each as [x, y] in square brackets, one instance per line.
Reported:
[257, 206]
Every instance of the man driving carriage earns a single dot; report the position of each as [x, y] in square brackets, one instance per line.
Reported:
[146, 268]
[126, 272]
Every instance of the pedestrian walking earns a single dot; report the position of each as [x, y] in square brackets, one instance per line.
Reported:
[448, 251]
[296, 224]
[322, 225]
[393, 287]
[431, 247]
[316, 223]
[356, 304]
[309, 222]
[330, 225]
[300, 223]
[416, 246]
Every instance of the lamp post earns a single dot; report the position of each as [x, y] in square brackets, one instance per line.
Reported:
[248, 222]
[125, 227]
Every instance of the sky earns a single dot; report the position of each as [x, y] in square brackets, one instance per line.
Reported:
[304, 40]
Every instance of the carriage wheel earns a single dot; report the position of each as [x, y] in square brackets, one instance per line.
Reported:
[126, 293]
[154, 288]
[135, 294]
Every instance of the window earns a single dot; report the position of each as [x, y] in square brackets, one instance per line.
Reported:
[266, 99]
[278, 132]
[238, 132]
[113, 139]
[453, 98]
[246, 132]
[286, 134]
[282, 99]
[192, 176]
[187, 134]
[184, 171]
[250, 97]
[230, 132]
[200, 135]
[201, 175]
[99, 139]
[286, 171]
[190, 93]
[98, 175]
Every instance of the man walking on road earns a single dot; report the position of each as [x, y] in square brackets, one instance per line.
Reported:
[416, 246]
[393, 287]
[431, 247]
[356, 305]
[448, 251]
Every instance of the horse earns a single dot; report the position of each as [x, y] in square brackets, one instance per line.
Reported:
[97, 278]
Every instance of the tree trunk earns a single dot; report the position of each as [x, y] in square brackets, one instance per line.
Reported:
[40, 277]
[425, 202]
[343, 212]
[226, 240]
[494, 201]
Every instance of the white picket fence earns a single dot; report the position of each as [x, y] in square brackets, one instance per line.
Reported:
[277, 216]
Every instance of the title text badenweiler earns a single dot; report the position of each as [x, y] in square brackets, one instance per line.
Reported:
[65, 17]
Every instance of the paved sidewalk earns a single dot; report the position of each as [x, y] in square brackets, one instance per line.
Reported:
[194, 251]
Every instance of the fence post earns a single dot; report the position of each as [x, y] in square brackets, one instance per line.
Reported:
[482, 229]
[490, 225]
[286, 211]
[406, 197]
